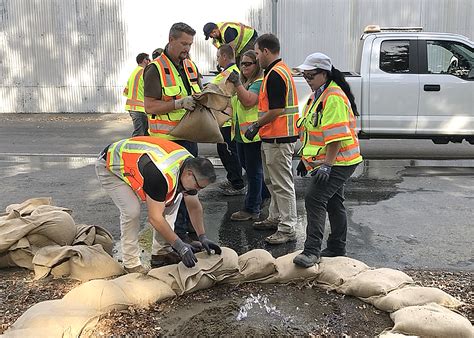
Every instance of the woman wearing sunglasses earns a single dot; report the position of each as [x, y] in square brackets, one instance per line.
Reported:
[330, 153]
[245, 112]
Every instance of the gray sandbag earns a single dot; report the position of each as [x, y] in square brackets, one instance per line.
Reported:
[335, 271]
[287, 271]
[431, 320]
[253, 266]
[375, 282]
[413, 296]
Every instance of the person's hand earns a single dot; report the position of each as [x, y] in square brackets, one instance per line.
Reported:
[187, 103]
[301, 169]
[322, 173]
[252, 130]
[185, 251]
[209, 245]
[234, 78]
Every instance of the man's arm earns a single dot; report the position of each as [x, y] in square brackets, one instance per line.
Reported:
[155, 106]
[158, 221]
[194, 207]
[152, 91]
[331, 152]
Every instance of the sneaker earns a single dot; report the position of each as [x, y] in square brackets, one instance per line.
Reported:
[225, 185]
[266, 224]
[329, 253]
[139, 268]
[231, 191]
[306, 260]
[281, 237]
[243, 215]
[160, 260]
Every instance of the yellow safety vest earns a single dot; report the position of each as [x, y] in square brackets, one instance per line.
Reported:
[218, 79]
[173, 88]
[245, 116]
[244, 35]
[134, 91]
[334, 122]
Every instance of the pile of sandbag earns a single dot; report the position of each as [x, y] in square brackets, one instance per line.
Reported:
[417, 310]
[42, 237]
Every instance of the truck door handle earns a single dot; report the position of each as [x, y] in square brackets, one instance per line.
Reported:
[432, 87]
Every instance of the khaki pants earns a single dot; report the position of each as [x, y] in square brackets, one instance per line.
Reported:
[129, 205]
[278, 175]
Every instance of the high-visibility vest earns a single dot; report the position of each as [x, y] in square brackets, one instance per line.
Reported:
[173, 88]
[245, 116]
[285, 124]
[335, 122]
[244, 35]
[123, 156]
[134, 91]
[221, 76]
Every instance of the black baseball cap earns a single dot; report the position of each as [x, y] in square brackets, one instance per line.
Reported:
[208, 28]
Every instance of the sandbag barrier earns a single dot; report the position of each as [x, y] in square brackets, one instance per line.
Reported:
[415, 310]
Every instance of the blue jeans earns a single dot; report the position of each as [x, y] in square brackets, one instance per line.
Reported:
[327, 197]
[181, 225]
[251, 159]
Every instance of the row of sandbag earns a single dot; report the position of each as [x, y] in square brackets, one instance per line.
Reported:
[415, 310]
[42, 237]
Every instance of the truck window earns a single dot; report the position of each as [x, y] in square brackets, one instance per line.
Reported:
[449, 57]
[394, 56]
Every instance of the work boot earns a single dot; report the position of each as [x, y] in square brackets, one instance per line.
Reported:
[243, 215]
[329, 253]
[160, 260]
[306, 260]
[229, 190]
[139, 268]
[266, 224]
[281, 237]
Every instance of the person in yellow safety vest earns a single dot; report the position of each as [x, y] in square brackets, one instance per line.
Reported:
[276, 126]
[241, 37]
[330, 153]
[170, 80]
[245, 112]
[134, 93]
[160, 173]
[234, 185]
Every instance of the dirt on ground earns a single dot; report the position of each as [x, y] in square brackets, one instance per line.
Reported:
[244, 310]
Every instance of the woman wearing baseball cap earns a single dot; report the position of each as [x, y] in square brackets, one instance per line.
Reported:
[330, 153]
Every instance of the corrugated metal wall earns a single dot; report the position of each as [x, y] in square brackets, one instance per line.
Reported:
[76, 55]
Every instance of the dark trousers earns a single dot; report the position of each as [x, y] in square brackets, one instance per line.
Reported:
[140, 123]
[327, 197]
[230, 160]
[181, 226]
[251, 159]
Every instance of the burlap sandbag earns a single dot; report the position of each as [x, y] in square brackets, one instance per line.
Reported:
[229, 267]
[28, 206]
[412, 296]
[375, 282]
[431, 320]
[94, 234]
[335, 271]
[287, 271]
[253, 266]
[164, 274]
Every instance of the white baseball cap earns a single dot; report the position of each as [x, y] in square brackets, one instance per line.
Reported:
[316, 60]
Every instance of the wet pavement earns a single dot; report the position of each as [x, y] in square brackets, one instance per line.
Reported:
[402, 213]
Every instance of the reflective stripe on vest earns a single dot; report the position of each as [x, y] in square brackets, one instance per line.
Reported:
[219, 78]
[244, 35]
[172, 89]
[135, 95]
[167, 156]
[315, 138]
[285, 124]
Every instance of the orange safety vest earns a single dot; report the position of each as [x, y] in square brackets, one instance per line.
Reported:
[123, 156]
[285, 124]
[172, 88]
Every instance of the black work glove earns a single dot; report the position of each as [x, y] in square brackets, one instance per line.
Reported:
[252, 130]
[322, 173]
[209, 245]
[185, 251]
[301, 169]
[234, 78]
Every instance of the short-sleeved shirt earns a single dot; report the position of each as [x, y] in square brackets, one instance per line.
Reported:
[254, 88]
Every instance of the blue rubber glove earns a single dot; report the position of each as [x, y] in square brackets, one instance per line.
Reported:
[209, 245]
[186, 253]
[322, 174]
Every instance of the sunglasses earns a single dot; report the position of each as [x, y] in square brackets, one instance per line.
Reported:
[247, 64]
[196, 180]
[310, 76]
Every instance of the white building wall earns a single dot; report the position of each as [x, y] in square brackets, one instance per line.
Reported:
[76, 55]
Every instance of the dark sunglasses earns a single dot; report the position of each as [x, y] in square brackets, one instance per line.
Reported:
[197, 183]
[310, 76]
[247, 64]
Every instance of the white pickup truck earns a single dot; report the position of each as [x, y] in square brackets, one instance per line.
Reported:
[412, 84]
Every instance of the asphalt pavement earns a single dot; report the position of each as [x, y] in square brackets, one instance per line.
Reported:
[409, 204]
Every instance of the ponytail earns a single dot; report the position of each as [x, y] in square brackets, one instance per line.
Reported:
[337, 76]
